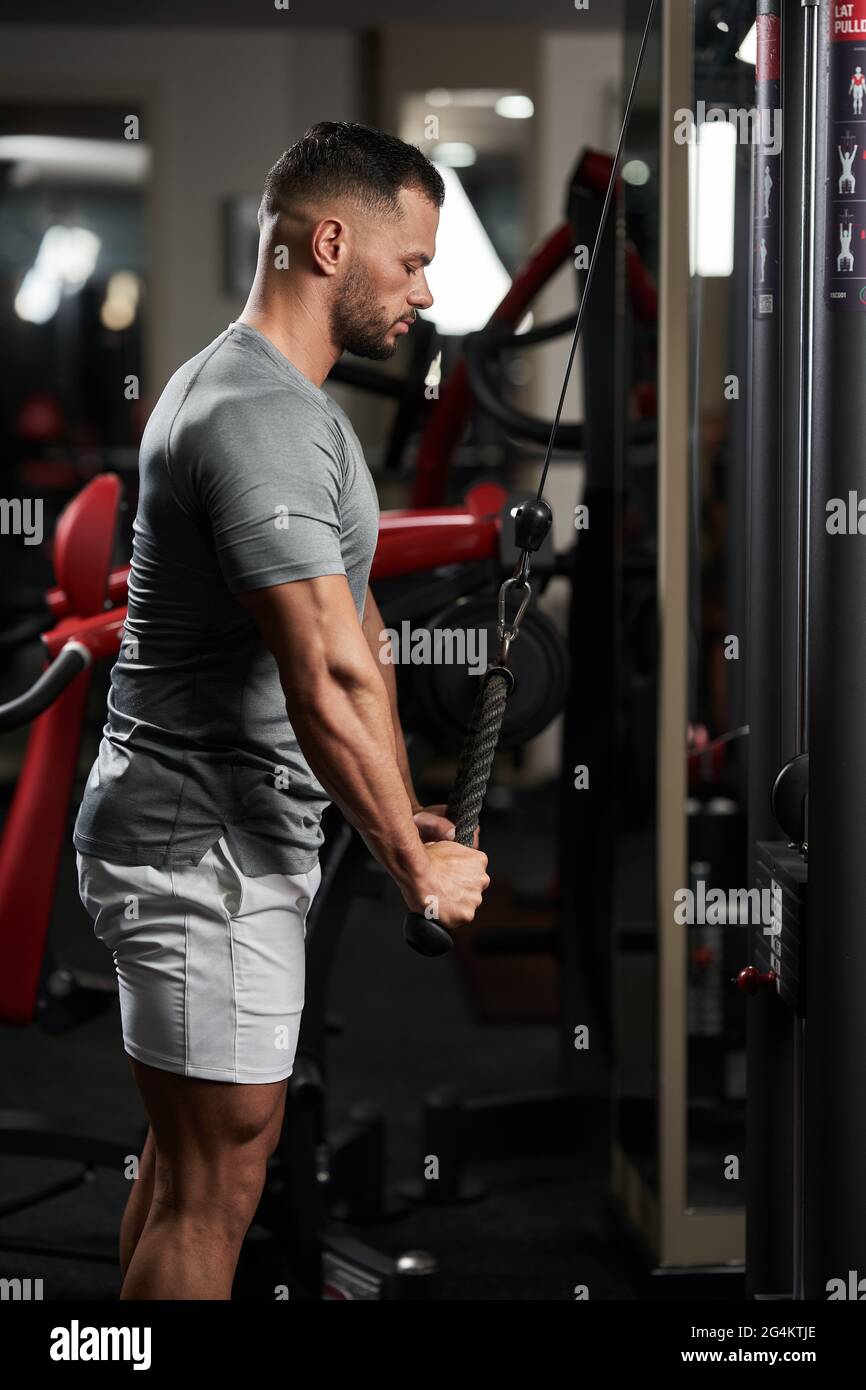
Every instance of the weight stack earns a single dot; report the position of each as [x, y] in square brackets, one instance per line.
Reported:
[782, 869]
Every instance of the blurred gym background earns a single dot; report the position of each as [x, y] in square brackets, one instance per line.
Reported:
[119, 259]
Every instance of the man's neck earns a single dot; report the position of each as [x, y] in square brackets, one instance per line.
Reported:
[313, 356]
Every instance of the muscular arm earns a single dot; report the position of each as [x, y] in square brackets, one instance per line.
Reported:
[339, 707]
[373, 625]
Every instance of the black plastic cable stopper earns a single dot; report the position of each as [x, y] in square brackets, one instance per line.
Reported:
[532, 522]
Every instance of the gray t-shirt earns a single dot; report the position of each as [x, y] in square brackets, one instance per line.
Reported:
[250, 476]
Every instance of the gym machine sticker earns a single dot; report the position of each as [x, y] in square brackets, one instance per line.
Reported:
[846, 135]
[766, 200]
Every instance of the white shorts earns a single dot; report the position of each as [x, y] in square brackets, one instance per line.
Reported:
[210, 963]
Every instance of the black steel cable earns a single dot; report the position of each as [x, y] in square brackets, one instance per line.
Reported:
[597, 246]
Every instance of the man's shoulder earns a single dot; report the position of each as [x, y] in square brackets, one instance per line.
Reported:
[342, 422]
[228, 395]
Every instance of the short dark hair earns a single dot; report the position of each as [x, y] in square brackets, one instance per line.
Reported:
[343, 159]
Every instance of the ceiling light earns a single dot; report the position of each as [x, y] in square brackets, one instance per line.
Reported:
[456, 154]
[65, 159]
[515, 108]
[636, 172]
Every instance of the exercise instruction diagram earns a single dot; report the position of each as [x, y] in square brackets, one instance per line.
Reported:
[846, 134]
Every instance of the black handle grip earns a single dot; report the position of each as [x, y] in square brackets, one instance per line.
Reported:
[425, 935]
[69, 663]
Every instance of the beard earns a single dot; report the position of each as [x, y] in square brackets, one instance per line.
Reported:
[358, 323]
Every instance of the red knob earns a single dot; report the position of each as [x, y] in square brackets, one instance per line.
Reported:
[751, 979]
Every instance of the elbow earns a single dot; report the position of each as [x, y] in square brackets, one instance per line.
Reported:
[323, 686]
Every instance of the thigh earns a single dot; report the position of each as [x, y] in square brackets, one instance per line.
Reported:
[207, 1122]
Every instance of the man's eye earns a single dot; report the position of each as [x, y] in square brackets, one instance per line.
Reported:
[410, 268]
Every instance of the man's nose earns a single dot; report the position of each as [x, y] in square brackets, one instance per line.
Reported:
[421, 296]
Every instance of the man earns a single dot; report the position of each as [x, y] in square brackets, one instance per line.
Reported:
[248, 693]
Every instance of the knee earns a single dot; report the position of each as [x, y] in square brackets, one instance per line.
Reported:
[221, 1191]
[237, 1191]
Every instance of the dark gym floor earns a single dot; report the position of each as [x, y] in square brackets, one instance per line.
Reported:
[407, 1025]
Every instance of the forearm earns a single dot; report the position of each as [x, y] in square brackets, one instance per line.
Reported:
[389, 676]
[344, 730]
[373, 625]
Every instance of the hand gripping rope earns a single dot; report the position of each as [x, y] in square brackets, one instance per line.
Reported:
[531, 526]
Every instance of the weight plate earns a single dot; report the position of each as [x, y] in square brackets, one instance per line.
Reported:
[446, 691]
